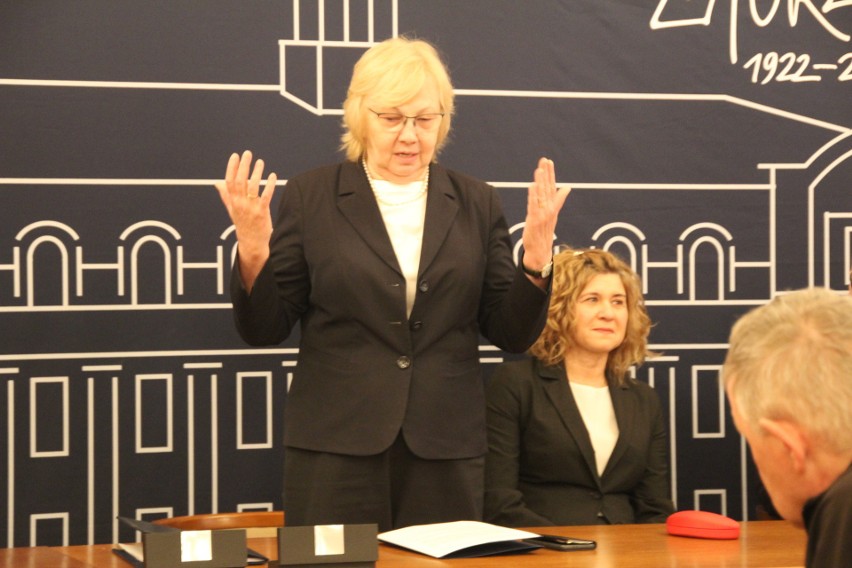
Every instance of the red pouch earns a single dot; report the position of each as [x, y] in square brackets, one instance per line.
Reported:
[702, 524]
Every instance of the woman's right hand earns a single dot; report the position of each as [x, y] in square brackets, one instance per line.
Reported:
[249, 209]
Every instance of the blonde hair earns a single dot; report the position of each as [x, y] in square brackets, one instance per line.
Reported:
[572, 271]
[392, 73]
[791, 359]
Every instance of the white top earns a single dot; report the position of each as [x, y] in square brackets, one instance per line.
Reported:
[403, 209]
[598, 414]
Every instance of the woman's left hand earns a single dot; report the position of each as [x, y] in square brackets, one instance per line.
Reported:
[544, 202]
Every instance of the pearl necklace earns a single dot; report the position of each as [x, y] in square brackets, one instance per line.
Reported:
[414, 198]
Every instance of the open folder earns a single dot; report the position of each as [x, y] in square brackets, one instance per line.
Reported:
[134, 553]
[460, 539]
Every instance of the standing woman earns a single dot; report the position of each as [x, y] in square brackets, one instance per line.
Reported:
[392, 266]
[572, 439]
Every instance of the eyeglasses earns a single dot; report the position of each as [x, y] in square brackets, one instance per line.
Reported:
[395, 121]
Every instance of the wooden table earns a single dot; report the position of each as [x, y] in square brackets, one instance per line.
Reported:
[764, 544]
[40, 557]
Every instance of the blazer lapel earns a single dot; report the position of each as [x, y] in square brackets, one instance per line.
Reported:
[357, 204]
[559, 392]
[624, 413]
[441, 209]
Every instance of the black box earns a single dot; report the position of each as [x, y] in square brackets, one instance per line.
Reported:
[331, 546]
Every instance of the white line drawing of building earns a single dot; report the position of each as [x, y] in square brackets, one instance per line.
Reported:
[320, 42]
[827, 234]
[787, 189]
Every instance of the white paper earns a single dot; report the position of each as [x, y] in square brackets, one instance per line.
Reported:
[440, 539]
[328, 540]
[196, 546]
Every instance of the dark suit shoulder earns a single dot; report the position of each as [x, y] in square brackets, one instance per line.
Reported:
[638, 386]
[631, 383]
[326, 174]
[513, 379]
[527, 375]
[462, 180]
[469, 191]
[512, 371]
[642, 391]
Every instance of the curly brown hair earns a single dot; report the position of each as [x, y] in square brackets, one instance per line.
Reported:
[573, 269]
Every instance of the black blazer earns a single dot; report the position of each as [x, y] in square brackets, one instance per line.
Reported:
[366, 371]
[540, 468]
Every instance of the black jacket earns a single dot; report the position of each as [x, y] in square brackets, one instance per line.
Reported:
[365, 370]
[540, 468]
[828, 520]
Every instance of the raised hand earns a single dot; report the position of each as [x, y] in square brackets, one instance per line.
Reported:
[544, 202]
[249, 210]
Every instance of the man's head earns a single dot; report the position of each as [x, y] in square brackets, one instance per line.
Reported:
[788, 375]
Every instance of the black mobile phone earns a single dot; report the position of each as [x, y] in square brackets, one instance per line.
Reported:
[563, 543]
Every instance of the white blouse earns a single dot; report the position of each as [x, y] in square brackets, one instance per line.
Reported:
[403, 208]
[595, 404]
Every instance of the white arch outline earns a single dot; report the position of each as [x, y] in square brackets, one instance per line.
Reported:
[63, 252]
[134, 268]
[720, 264]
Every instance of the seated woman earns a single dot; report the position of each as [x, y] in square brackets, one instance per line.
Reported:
[572, 440]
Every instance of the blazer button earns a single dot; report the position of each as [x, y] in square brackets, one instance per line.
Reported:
[403, 362]
[423, 286]
[415, 325]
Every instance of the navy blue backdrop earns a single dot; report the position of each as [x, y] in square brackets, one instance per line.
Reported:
[708, 143]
